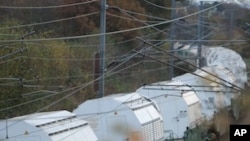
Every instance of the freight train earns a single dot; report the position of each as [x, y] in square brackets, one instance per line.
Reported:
[165, 110]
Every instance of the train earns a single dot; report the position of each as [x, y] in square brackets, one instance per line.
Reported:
[46, 126]
[161, 111]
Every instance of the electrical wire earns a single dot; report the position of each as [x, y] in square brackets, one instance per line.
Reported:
[75, 76]
[83, 36]
[133, 17]
[173, 95]
[6, 84]
[54, 93]
[87, 45]
[25, 81]
[135, 73]
[62, 77]
[195, 89]
[162, 7]
[8, 35]
[194, 40]
[12, 53]
[9, 60]
[110, 33]
[233, 85]
[19, 38]
[109, 72]
[48, 127]
[48, 7]
[77, 89]
[53, 21]
[95, 45]
[49, 22]
[9, 84]
[126, 18]
[136, 13]
[104, 113]
[54, 78]
[195, 36]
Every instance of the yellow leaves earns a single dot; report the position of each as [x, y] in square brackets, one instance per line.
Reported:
[48, 59]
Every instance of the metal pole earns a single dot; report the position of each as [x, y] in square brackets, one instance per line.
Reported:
[172, 37]
[7, 132]
[200, 36]
[102, 47]
[231, 27]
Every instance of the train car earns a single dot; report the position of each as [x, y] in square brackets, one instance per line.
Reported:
[155, 112]
[228, 59]
[179, 106]
[222, 77]
[119, 117]
[215, 57]
[213, 96]
[46, 126]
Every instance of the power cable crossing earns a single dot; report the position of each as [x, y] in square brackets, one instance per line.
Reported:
[233, 85]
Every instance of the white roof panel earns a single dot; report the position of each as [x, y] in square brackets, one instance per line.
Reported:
[147, 114]
[190, 98]
[79, 134]
[127, 97]
[142, 115]
[48, 117]
[50, 126]
[133, 100]
[63, 126]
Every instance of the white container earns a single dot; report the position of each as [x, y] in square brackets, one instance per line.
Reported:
[46, 126]
[123, 116]
[178, 104]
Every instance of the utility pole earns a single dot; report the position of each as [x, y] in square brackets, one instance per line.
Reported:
[200, 36]
[172, 38]
[102, 47]
[231, 26]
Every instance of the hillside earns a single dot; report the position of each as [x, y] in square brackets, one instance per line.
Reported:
[48, 47]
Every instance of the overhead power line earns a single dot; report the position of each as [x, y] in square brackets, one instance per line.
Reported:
[153, 58]
[49, 22]
[195, 40]
[139, 14]
[75, 90]
[111, 33]
[38, 130]
[47, 7]
[94, 45]
[126, 18]
[85, 36]
[12, 53]
[54, 78]
[232, 85]
[163, 7]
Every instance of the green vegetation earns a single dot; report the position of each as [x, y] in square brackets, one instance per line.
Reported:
[38, 73]
[35, 74]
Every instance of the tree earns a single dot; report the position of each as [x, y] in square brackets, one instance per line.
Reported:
[28, 68]
[91, 24]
